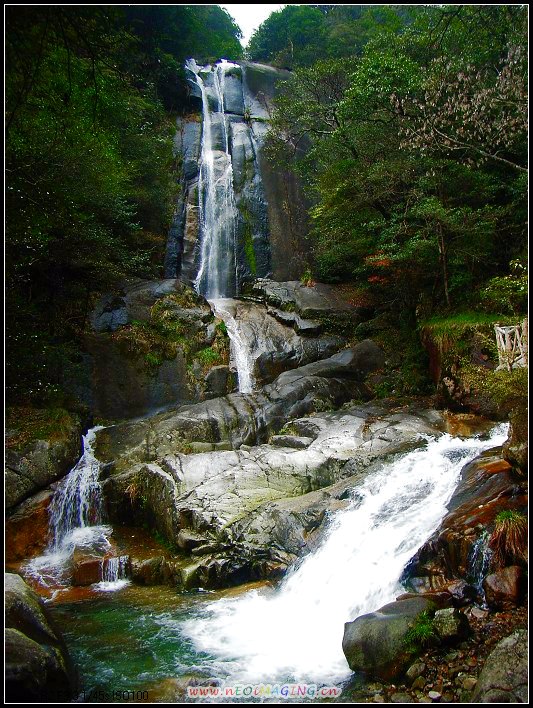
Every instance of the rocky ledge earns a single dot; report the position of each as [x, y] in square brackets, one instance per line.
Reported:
[251, 512]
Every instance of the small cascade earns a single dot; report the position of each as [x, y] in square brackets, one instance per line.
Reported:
[295, 632]
[76, 524]
[77, 503]
[217, 274]
[479, 564]
[240, 346]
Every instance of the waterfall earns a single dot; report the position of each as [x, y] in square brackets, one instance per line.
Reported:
[77, 503]
[75, 522]
[217, 274]
[295, 632]
[240, 346]
[479, 563]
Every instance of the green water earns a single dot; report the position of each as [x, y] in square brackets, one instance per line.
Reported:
[129, 640]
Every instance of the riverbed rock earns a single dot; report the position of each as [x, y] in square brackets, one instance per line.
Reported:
[37, 664]
[238, 418]
[315, 302]
[27, 527]
[505, 588]
[375, 643]
[504, 677]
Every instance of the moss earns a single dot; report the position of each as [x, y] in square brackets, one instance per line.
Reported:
[451, 330]
[247, 235]
[29, 424]
[504, 388]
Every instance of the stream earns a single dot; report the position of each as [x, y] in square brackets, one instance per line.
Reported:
[151, 638]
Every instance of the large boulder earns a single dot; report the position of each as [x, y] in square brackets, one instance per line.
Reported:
[37, 664]
[255, 510]
[504, 677]
[376, 645]
[515, 449]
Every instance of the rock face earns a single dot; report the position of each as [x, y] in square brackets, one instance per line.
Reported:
[34, 466]
[504, 677]
[271, 223]
[487, 486]
[38, 668]
[250, 512]
[376, 643]
[143, 347]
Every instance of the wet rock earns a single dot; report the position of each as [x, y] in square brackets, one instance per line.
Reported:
[319, 301]
[293, 441]
[187, 539]
[27, 527]
[375, 643]
[485, 488]
[86, 570]
[504, 677]
[219, 381]
[450, 624]
[505, 588]
[435, 696]
[37, 665]
[401, 698]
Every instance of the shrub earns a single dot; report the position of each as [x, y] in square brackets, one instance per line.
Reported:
[421, 634]
[508, 541]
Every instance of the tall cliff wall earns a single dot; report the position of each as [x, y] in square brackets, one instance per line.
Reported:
[272, 220]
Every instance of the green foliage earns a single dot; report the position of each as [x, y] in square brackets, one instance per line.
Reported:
[507, 389]
[422, 634]
[89, 165]
[26, 424]
[508, 541]
[414, 222]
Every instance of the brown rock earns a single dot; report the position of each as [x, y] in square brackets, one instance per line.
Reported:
[87, 570]
[27, 528]
[505, 588]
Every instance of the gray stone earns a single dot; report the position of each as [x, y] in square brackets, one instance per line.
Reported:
[415, 670]
[450, 624]
[504, 677]
[375, 643]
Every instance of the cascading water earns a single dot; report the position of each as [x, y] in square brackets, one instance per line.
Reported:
[479, 563]
[240, 346]
[217, 274]
[75, 515]
[217, 277]
[295, 632]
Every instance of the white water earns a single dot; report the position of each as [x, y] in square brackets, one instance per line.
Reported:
[217, 274]
[241, 354]
[295, 632]
[76, 521]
